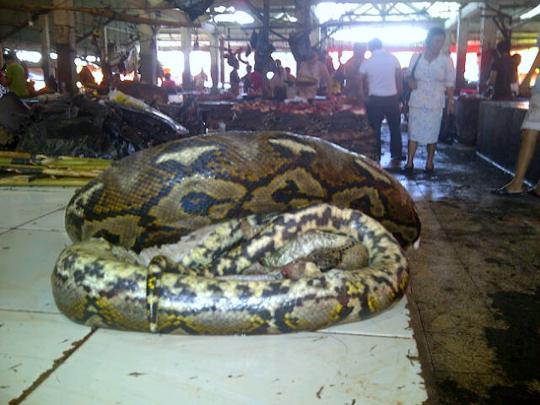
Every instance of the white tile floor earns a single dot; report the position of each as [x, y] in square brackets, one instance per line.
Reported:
[54, 361]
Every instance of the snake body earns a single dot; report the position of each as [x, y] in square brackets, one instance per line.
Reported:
[97, 285]
[158, 195]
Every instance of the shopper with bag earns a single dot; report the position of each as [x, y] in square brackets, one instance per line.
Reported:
[434, 77]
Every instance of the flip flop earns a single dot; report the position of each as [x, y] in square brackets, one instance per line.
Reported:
[504, 192]
[532, 192]
[407, 170]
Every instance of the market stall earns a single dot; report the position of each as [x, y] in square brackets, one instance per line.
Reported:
[331, 120]
[499, 130]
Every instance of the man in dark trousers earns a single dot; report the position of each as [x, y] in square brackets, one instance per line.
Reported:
[381, 81]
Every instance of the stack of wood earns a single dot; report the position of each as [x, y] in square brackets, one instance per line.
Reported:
[25, 169]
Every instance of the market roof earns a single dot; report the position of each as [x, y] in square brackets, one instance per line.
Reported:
[19, 25]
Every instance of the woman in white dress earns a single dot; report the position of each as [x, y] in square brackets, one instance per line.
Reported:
[433, 79]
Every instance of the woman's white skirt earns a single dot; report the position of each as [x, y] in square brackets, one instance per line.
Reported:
[532, 119]
[424, 124]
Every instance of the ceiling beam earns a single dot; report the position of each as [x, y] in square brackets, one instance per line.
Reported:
[469, 11]
[22, 25]
[96, 11]
[255, 11]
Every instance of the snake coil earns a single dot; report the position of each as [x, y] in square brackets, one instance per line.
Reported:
[156, 196]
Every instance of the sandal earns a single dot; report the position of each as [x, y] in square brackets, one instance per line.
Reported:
[533, 192]
[407, 169]
[429, 169]
[504, 192]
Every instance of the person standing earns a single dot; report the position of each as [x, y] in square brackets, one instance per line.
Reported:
[502, 72]
[256, 80]
[290, 82]
[433, 77]
[381, 79]
[351, 74]
[312, 75]
[15, 77]
[200, 79]
[277, 85]
[234, 80]
[168, 83]
[530, 128]
[246, 80]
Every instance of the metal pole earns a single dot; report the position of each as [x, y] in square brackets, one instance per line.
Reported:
[45, 46]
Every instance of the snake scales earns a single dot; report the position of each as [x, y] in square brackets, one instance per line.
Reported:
[156, 196]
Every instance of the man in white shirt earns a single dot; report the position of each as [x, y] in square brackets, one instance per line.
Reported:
[381, 81]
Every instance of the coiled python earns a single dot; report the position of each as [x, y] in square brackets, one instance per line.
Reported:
[156, 196]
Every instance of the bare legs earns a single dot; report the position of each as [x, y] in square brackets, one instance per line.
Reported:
[526, 151]
[430, 154]
[411, 151]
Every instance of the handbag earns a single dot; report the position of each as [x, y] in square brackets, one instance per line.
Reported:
[406, 88]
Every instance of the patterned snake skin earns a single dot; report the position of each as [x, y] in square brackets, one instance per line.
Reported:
[156, 196]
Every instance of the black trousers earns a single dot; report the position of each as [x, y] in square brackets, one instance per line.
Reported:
[379, 107]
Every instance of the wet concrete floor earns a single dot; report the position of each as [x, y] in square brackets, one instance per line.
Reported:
[475, 289]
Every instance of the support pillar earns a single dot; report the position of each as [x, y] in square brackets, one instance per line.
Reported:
[45, 46]
[187, 80]
[64, 32]
[303, 15]
[316, 34]
[105, 66]
[222, 60]
[461, 51]
[214, 61]
[104, 45]
[488, 39]
[148, 54]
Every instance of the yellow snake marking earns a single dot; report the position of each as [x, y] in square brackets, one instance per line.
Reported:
[376, 174]
[75, 208]
[345, 197]
[186, 156]
[334, 314]
[125, 228]
[295, 147]
[263, 197]
[373, 304]
[395, 228]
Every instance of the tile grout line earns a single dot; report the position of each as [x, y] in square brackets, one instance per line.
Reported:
[12, 228]
[365, 335]
[424, 350]
[56, 364]
[31, 311]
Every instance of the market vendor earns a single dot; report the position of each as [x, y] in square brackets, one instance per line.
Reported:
[168, 83]
[351, 72]
[199, 80]
[277, 84]
[312, 75]
[14, 78]
[290, 82]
